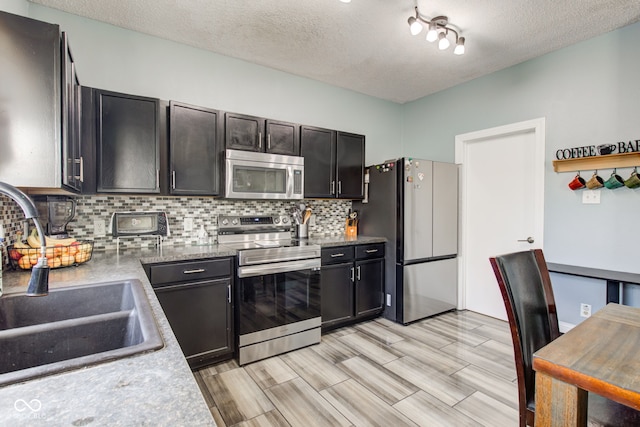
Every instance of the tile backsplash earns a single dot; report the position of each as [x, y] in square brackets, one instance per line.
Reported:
[329, 216]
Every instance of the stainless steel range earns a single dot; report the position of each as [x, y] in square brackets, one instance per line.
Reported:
[277, 286]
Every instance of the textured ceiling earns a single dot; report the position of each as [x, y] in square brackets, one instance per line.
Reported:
[365, 45]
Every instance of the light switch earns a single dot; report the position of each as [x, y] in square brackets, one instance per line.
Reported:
[591, 197]
[188, 224]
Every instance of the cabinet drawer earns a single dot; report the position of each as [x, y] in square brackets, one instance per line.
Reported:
[189, 271]
[373, 250]
[337, 254]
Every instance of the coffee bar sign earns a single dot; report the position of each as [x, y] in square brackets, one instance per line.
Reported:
[603, 149]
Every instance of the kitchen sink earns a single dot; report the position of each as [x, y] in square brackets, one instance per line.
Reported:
[74, 327]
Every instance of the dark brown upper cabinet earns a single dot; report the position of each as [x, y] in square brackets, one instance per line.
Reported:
[350, 165]
[334, 163]
[128, 143]
[195, 146]
[252, 133]
[39, 106]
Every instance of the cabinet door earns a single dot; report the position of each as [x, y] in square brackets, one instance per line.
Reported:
[336, 290]
[200, 315]
[350, 165]
[194, 150]
[283, 138]
[369, 286]
[72, 167]
[128, 153]
[318, 147]
[244, 132]
[30, 102]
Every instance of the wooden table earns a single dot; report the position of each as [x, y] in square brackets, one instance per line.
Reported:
[600, 355]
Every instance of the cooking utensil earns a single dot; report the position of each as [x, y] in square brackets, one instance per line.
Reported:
[306, 215]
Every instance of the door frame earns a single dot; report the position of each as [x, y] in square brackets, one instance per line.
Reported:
[462, 141]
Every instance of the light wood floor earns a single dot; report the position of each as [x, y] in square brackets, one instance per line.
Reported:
[455, 369]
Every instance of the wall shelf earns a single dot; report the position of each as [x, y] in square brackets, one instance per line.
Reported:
[609, 161]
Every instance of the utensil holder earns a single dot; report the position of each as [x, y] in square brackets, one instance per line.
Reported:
[302, 231]
[351, 228]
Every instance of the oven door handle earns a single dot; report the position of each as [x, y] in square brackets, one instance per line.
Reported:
[278, 267]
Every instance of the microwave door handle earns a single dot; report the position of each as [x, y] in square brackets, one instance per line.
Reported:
[290, 182]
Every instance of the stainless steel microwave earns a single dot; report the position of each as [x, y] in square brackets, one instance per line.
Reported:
[251, 175]
[139, 224]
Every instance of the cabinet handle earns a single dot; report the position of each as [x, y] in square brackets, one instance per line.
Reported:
[358, 270]
[339, 187]
[352, 279]
[371, 251]
[195, 270]
[229, 293]
[336, 255]
[173, 179]
[333, 187]
[269, 142]
[81, 163]
[259, 139]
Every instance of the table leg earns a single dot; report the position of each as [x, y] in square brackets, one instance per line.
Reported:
[559, 404]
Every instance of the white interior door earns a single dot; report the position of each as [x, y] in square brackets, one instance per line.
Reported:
[501, 206]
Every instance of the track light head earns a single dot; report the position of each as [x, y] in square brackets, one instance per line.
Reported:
[432, 35]
[415, 26]
[459, 49]
[443, 41]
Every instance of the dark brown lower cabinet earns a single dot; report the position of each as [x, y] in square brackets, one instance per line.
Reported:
[196, 298]
[351, 284]
[337, 293]
[369, 290]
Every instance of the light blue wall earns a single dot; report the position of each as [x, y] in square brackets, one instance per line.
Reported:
[590, 95]
[113, 58]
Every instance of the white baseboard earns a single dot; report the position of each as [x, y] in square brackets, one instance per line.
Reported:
[565, 327]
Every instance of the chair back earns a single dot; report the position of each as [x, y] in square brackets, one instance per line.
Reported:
[525, 285]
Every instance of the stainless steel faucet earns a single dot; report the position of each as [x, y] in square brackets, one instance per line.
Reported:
[39, 280]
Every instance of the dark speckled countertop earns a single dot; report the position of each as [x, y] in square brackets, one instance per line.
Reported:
[154, 388]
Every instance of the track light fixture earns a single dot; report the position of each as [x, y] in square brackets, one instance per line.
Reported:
[438, 29]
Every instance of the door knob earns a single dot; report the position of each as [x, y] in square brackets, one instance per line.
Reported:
[528, 239]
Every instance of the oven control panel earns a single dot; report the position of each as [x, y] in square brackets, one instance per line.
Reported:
[253, 224]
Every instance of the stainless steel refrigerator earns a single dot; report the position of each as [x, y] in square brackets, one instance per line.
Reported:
[414, 204]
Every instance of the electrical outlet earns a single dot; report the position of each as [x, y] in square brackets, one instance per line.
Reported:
[99, 229]
[188, 224]
[312, 220]
[591, 197]
[585, 310]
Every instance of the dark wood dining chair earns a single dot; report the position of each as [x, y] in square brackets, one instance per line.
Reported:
[526, 289]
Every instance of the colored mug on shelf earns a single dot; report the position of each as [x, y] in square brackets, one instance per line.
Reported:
[577, 183]
[634, 180]
[614, 181]
[595, 182]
